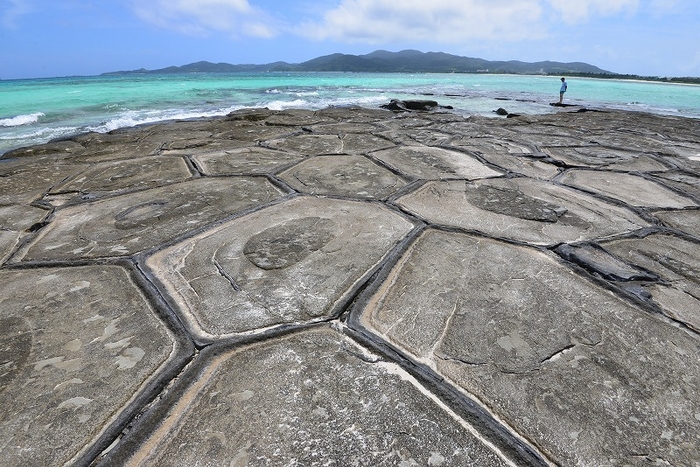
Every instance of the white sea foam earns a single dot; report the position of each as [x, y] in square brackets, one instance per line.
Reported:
[133, 118]
[20, 120]
[281, 105]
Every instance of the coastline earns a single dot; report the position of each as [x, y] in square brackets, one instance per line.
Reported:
[40, 111]
[356, 284]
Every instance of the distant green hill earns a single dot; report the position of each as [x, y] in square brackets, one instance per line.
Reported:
[407, 61]
[411, 61]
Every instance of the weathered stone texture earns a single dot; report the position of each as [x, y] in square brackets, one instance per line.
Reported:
[351, 176]
[632, 189]
[112, 178]
[250, 160]
[520, 209]
[677, 262]
[313, 398]
[283, 264]
[518, 291]
[76, 344]
[424, 162]
[686, 221]
[132, 223]
[589, 378]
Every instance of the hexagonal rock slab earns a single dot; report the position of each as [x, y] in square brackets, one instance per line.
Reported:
[524, 165]
[352, 176]
[309, 145]
[687, 221]
[631, 189]
[681, 181]
[675, 260]
[253, 160]
[509, 155]
[108, 178]
[313, 398]
[22, 181]
[364, 143]
[296, 261]
[588, 378]
[611, 159]
[76, 345]
[14, 220]
[8, 241]
[132, 223]
[520, 209]
[425, 162]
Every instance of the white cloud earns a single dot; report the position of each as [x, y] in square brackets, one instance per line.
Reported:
[15, 9]
[578, 11]
[446, 21]
[201, 17]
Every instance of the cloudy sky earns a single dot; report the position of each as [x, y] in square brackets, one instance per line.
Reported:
[46, 38]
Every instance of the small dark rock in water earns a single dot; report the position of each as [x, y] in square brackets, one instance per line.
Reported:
[407, 106]
[501, 111]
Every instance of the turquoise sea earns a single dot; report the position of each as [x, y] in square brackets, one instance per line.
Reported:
[38, 110]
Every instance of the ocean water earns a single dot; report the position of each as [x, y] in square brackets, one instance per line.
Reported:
[37, 110]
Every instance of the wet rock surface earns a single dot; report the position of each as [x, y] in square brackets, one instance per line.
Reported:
[354, 287]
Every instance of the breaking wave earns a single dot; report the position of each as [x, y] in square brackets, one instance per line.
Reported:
[20, 120]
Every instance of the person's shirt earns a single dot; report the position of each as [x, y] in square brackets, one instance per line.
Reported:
[563, 87]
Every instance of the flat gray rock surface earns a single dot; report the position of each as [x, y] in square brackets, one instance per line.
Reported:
[283, 264]
[354, 286]
[77, 344]
[129, 224]
[521, 209]
[314, 398]
[548, 351]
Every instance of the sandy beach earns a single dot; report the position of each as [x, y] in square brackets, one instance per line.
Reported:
[354, 286]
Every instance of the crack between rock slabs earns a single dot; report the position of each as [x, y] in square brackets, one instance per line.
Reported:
[238, 288]
[561, 352]
[459, 360]
[227, 276]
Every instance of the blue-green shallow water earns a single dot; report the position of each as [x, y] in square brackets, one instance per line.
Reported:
[35, 111]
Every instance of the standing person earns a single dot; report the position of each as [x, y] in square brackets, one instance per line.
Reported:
[562, 90]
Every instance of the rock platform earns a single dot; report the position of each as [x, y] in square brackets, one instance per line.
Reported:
[354, 287]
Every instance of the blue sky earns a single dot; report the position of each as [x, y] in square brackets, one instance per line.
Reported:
[47, 38]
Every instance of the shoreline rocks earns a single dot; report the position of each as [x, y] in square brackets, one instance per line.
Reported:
[392, 287]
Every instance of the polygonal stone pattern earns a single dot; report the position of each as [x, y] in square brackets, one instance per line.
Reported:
[251, 133]
[509, 155]
[309, 145]
[8, 241]
[292, 262]
[523, 165]
[424, 162]
[15, 220]
[251, 160]
[132, 223]
[677, 262]
[681, 181]
[364, 143]
[600, 261]
[313, 398]
[679, 303]
[108, 178]
[352, 176]
[609, 158]
[26, 181]
[76, 344]
[588, 378]
[687, 221]
[520, 209]
[631, 189]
